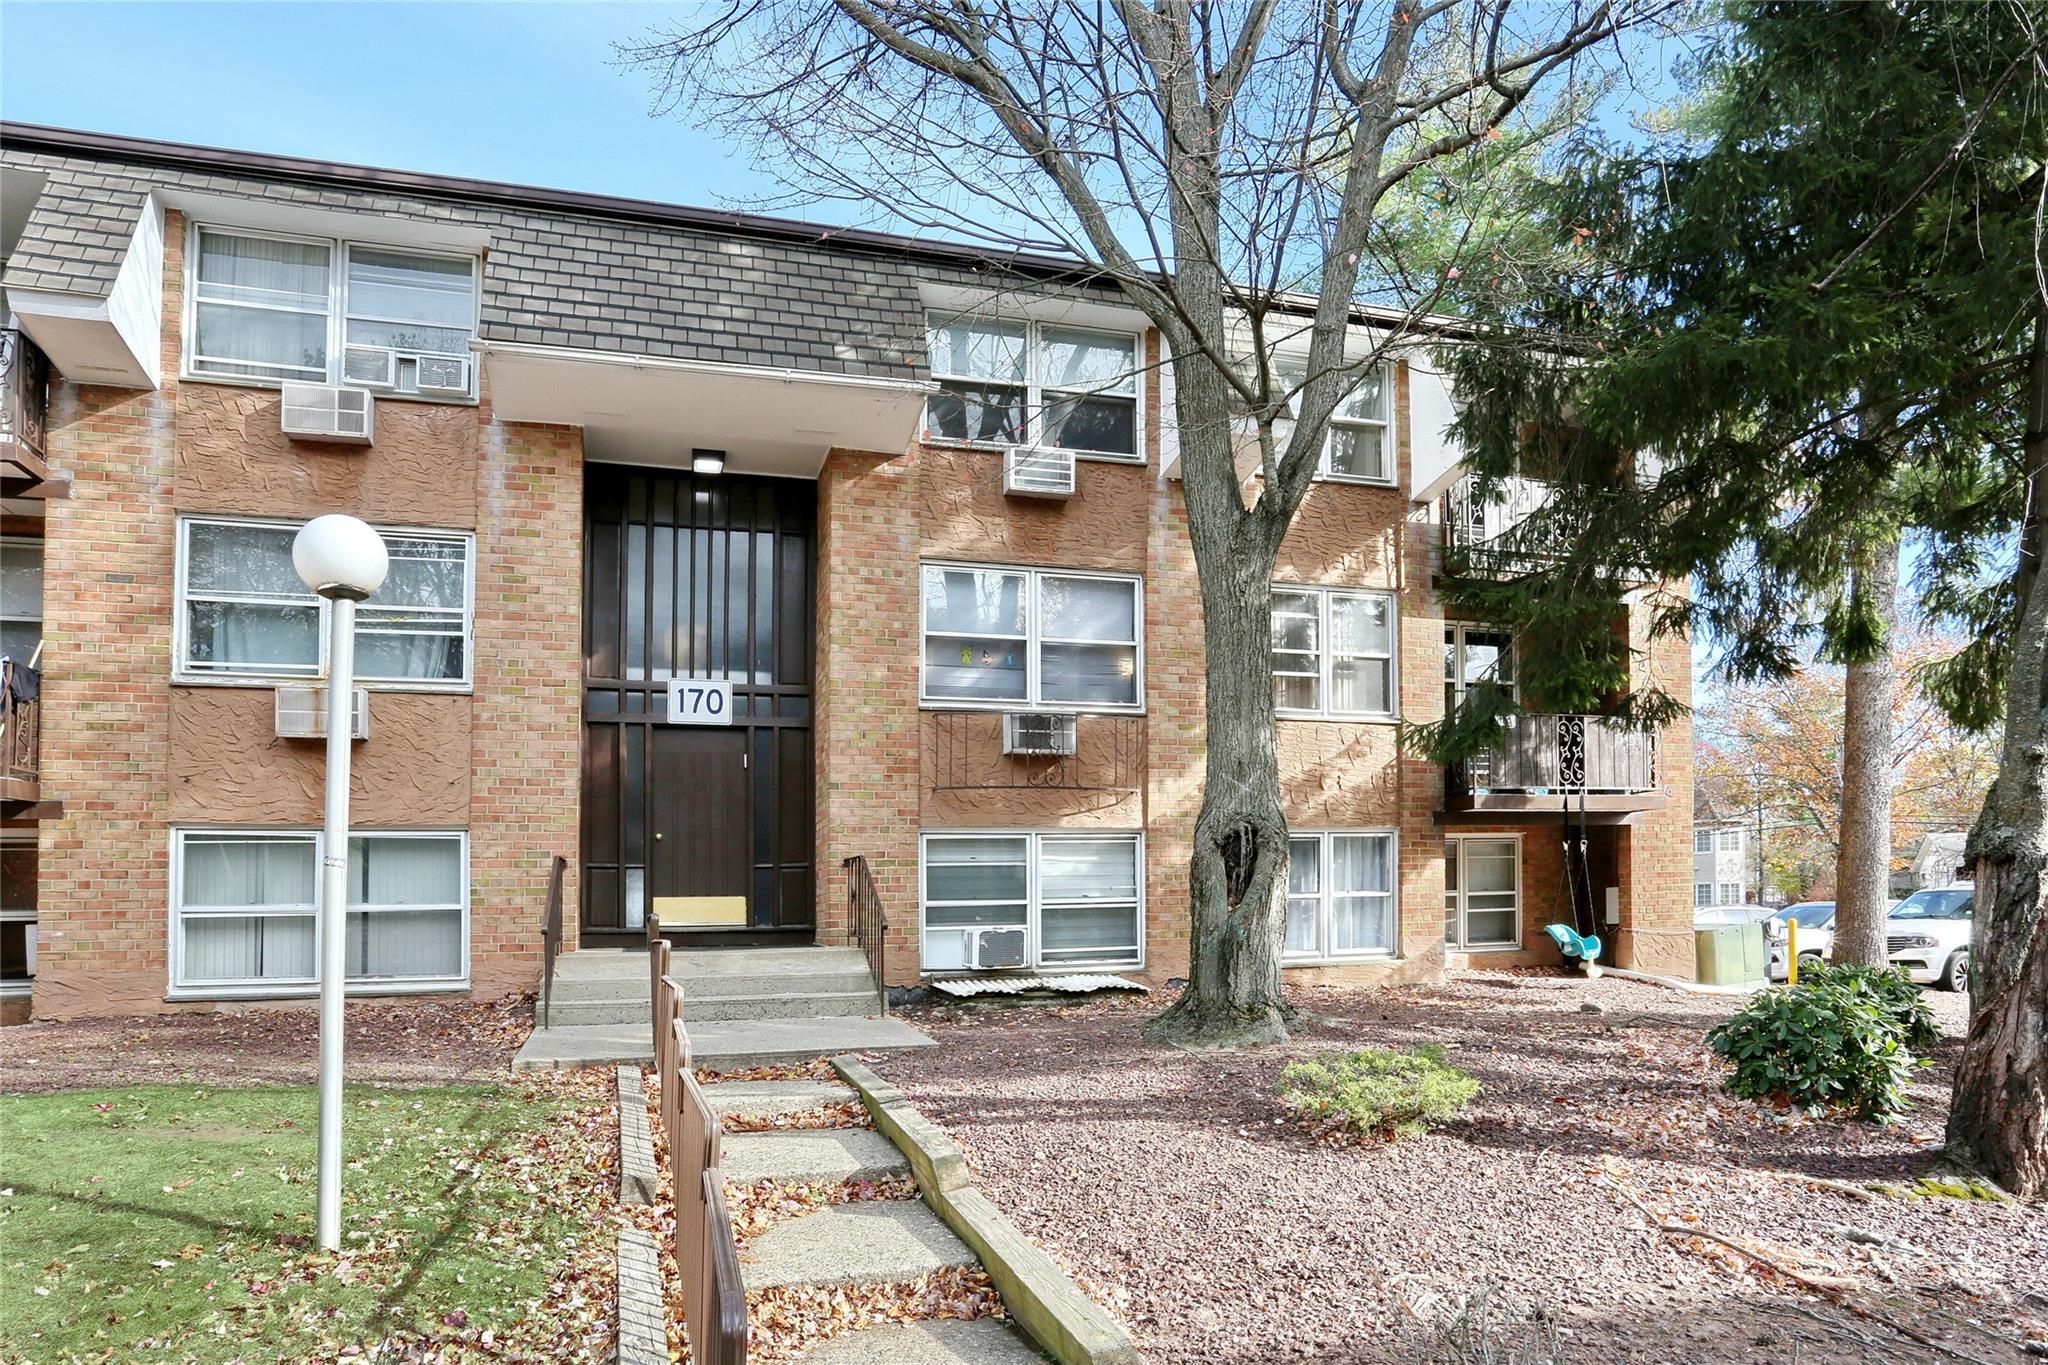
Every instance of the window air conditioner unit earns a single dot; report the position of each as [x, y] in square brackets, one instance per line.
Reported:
[406, 371]
[1038, 732]
[302, 713]
[328, 412]
[1038, 472]
[999, 948]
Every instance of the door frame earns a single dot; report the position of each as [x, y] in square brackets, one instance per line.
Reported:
[765, 541]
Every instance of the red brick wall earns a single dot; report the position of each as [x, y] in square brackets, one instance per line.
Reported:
[129, 754]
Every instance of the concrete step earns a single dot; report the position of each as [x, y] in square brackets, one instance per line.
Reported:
[709, 964]
[610, 986]
[720, 1046]
[805, 1154]
[767, 1099]
[984, 1341]
[718, 1009]
[881, 1242]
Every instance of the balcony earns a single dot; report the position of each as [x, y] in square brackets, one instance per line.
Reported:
[1556, 765]
[24, 408]
[21, 734]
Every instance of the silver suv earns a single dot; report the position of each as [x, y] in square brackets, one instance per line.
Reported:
[1929, 935]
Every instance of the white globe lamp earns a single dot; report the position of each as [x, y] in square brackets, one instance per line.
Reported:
[339, 556]
[343, 560]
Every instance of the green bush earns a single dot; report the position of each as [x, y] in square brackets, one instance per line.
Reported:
[1370, 1094]
[1844, 1040]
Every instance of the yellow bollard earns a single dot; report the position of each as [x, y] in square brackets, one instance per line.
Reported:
[1791, 951]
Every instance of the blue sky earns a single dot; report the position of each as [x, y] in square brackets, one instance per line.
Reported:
[516, 92]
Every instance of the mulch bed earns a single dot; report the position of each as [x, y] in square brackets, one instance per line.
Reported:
[1181, 1195]
[420, 1042]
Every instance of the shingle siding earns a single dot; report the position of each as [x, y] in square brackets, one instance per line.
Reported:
[551, 278]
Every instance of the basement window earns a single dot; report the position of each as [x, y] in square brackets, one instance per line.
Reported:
[245, 908]
[1000, 900]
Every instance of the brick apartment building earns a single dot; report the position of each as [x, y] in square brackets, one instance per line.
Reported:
[613, 444]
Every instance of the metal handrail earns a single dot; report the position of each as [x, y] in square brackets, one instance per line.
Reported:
[868, 921]
[551, 936]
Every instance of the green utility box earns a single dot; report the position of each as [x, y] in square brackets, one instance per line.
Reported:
[1731, 954]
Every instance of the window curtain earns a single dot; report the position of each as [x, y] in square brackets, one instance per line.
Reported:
[1104, 874]
[1361, 900]
[262, 306]
[242, 872]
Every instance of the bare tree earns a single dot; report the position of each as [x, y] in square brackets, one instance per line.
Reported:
[1224, 166]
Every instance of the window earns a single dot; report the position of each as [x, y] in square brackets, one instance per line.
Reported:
[1031, 900]
[1731, 841]
[1703, 841]
[1731, 893]
[277, 308]
[1482, 894]
[21, 599]
[18, 877]
[245, 904]
[1333, 652]
[1475, 657]
[1340, 896]
[244, 613]
[1356, 450]
[1032, 637]
[1034, 383]
[1702, 893]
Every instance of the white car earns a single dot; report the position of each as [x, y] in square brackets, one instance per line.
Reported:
[1816, 932]
[1929, 935]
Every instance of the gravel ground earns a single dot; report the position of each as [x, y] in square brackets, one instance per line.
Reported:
[424, 1042]
[1177, 1192]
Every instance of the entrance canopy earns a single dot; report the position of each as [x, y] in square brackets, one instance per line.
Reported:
[640, 409]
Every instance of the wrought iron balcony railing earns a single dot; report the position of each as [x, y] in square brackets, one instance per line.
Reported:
[1558, 762]
[24, 406]
[21, 732]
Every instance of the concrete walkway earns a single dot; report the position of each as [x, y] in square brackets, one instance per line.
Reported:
[870, 1242]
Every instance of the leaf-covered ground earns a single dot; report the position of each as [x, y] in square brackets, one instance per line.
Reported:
[1180, 1193]
[175, 1223]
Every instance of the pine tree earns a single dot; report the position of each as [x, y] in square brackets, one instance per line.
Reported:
[1816, 316]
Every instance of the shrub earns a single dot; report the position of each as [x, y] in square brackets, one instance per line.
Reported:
[1369, 1094]
[1845, 1039]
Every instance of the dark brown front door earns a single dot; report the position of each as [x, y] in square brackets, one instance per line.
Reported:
[688, 577]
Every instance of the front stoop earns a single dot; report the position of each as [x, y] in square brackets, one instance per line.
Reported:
[719, 1046]
[744, 1007]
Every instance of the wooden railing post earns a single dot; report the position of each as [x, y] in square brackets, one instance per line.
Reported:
[657, 1005]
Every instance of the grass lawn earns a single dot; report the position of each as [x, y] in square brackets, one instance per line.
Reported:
[176, 1223]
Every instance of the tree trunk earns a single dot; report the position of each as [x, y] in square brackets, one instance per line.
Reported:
[1237, 876]
[1998, 1121]
[1863, 856]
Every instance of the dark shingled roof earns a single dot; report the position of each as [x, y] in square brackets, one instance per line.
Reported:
[589, 272]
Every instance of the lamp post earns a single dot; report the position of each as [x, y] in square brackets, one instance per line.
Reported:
[344, 561]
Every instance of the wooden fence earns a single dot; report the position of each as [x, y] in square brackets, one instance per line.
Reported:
[714, 1299]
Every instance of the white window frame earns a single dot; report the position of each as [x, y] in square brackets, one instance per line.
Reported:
[1521, 901]
[1031, 642]
[1729, 893]
[1458, 630]
[288, 988]
[19, 617]
[1326, 896]
[1384, 423]
[1035, 392]
[1702, 895]
[1731, 841]
[1326, 656]
[183, 671]
[20, 985]
[336, 312]
[1703, 841]
[1033, 905]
